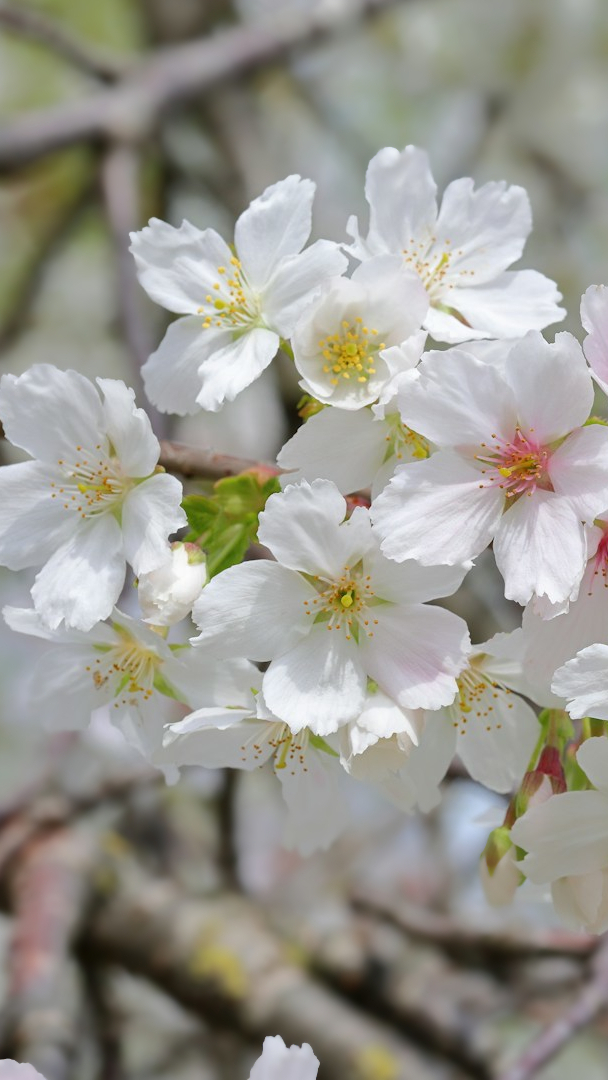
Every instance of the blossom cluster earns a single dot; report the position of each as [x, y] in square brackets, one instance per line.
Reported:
[438, 421]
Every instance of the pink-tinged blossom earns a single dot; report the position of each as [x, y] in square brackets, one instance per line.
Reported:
[514, 465]
[92, 498]
[461, 250]
[237, 305]
[18, 1070]
[594, 317]
[331, 612]
[566, 840]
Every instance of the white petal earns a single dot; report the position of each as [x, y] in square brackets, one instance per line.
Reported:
[579, 470]
[129, 429]
[551, 383]
[297, 280]
[498, 738]
[581, 901]
[540, 548]
[339, 445]
[279, 1062]
[218, 739]
[254, 610]
[62, 692]
[411, 583]
[33, 524]
[507, 307]
[594, 317]
[304, 528]
[435, 511]
[415, 654]
[171, 374]
[177, 267]
[201, 681]
[49, 412]
[383, 717]
[318, 684]
[317, 811]
[460, 401]
[483, 230]
[28, 621]
[583, 682]
[13, 1070]
[400, 190]
[567, 834]
[276, 224]
[234, 365]
[592, 755]
[150, 512]
[82, 581]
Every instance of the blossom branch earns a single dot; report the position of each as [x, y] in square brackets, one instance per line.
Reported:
[193, 461]
[129, 110]
[592, 1001]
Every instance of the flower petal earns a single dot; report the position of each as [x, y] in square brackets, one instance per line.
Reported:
[296, 281]
[32, 524]
[318, 684]
[579, 471]
[254, 610]
[565, 835]
[150, 513]
[81, 582]
[507, 307]
[415, 654]
[411, 583]
[178, 267]
[317, 811]
[49, 413]
[483, 230]
[171, 374]
[218, 739]
[436, 512]
[551, 383]
[343, 446]
[583, 682]
[275, 225]
[496, 742]
[279, 1062]
[540, 548]
[129, 429]
[594, 317]
[234, 365]
[401, 193]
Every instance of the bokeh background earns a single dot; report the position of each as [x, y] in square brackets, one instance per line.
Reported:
[515, 90]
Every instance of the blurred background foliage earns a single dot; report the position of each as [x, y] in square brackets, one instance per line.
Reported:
[515, 90]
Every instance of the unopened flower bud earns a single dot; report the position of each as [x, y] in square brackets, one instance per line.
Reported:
[498, 870]
[166, 595]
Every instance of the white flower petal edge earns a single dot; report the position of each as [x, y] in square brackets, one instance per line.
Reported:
[594, 317]
[98, 459]
[18, 1070]
[280, 1062]
[236, 307]
[461, 253]
[331, 614]
[583, 682]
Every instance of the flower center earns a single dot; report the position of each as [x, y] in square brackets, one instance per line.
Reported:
[289, 750]
[125, 669]
[433, 266]
[403, 442]
[231, 305]
[477, 693]
[351, 352]
[518, 467]
[92, 485]
[344, 604]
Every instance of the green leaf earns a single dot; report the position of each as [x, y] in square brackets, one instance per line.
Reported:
[225, 522]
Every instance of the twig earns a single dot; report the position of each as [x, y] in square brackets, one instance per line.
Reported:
[217, 957]
[192, 461]
[461, 939]
[29, 23]
[592, 1000]
[129, 110]
[50, 891]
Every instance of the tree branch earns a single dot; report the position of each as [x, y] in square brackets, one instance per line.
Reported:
[192, 461]
[129, 110]
[27, 22]
[592, 1000]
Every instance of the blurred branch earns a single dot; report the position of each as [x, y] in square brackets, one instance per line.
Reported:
[129, 110]
[192, 461]
[49, 895]
[218, 958]
[29, 23]
[460, 939]
[592, 1000]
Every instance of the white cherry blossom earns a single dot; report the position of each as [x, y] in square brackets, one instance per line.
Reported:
[166, 595]
[461, 251]
[594, 317]
[515, 465]
[332, 612]
[566, 840]
[281, 1062]
[18, 1070]
[237, 305]
[241, 733]
[341, 339]
[123, 664]
[91, 501]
